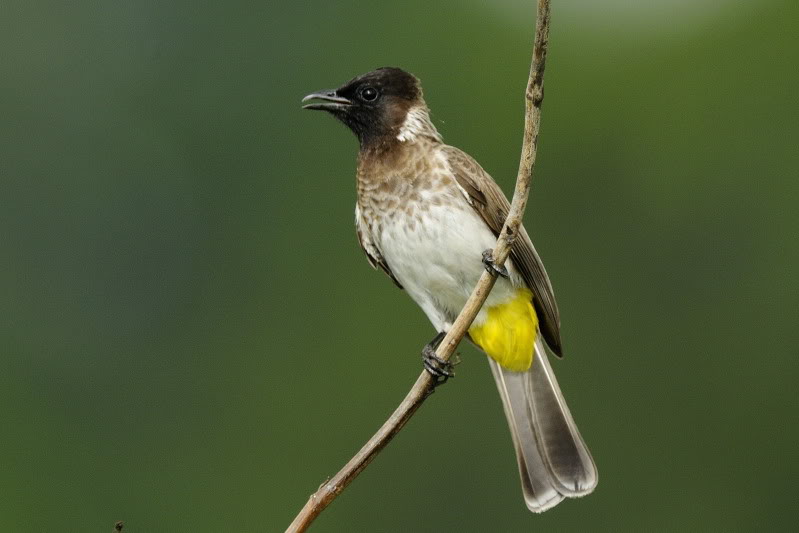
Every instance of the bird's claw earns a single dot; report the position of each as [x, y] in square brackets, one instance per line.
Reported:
[438, 368]
[491, 266]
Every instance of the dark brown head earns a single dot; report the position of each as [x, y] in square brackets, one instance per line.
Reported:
[377, 106]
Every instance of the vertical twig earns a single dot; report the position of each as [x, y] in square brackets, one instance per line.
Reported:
[534, 96]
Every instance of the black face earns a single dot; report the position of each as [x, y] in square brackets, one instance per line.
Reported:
[372, 105]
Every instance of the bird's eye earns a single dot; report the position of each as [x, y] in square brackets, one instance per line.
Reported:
[369, 94]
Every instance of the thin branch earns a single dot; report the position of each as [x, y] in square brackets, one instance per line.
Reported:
[424, 385]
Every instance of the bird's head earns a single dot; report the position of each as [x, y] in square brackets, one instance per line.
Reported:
[383, 104]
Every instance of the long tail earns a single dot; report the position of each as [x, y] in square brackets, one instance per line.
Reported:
[554, 462]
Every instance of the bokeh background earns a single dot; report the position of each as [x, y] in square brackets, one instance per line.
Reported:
[191, 339]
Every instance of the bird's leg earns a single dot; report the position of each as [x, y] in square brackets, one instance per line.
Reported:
[491, 266]
[438, 368]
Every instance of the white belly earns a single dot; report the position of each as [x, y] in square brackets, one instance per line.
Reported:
[436, 254]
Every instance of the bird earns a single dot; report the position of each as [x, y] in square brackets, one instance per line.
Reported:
[427, 215]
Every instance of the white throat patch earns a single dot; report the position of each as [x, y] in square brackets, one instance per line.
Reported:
[417, 122]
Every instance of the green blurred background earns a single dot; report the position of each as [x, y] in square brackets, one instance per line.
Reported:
[191, 339]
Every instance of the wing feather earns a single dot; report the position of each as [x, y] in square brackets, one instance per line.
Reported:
[373, 255]
[489, 201]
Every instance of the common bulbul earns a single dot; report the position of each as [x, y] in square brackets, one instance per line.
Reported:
[427, 214]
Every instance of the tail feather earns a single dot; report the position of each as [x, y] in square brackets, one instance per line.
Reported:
[554, 462]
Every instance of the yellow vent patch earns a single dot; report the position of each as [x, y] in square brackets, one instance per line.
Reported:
[508, 334]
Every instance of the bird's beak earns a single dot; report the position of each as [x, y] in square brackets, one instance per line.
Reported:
[330, 101]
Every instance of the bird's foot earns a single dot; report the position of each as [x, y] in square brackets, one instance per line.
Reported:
[440, 369]
[491, 266]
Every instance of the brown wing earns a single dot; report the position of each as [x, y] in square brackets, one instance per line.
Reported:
[373, 255]
[488, 200]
